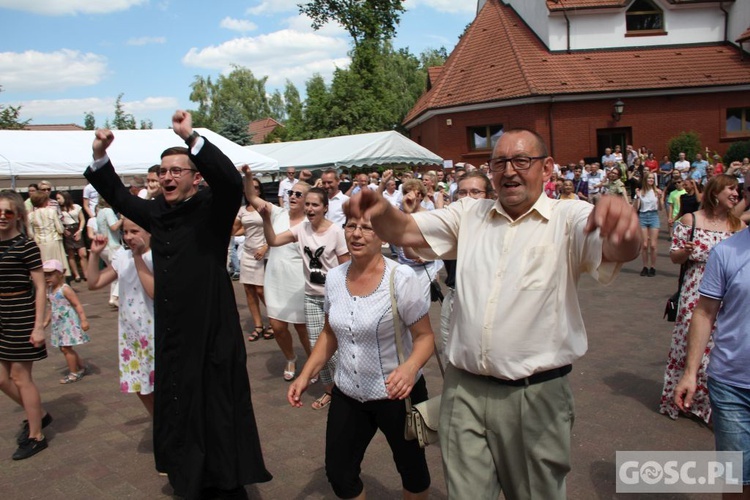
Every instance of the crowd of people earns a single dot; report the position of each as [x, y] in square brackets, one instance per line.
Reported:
[316, 258]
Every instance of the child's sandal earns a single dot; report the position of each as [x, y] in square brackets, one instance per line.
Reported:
[71, 378]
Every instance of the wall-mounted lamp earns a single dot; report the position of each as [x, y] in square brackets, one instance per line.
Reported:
[449, 122]
[619, 108]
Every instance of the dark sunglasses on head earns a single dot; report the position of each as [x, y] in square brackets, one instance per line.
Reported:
[291, 193]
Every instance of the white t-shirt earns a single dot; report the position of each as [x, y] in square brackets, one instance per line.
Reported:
[92, 195]
[335, 212]
[320, 252]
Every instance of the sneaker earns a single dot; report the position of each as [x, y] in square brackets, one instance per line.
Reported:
[652, 272]
[644, 271]
[23, 435]
[29, 448]
[236, 277]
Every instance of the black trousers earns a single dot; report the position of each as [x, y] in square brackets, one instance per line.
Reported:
[352, 425]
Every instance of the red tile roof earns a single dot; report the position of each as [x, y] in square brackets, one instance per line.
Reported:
[744, 37]
[54, 127]
[559, 5]
[433, 74]
[260, 129]
[499, 58]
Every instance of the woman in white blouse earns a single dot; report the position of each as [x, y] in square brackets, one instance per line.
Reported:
[370, 385]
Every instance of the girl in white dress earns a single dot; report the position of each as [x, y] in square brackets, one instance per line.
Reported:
[133, 268]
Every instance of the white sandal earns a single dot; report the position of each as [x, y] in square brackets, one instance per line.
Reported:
[291, 369]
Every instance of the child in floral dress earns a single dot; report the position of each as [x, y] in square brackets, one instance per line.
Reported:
[133, 268]
[68, 319]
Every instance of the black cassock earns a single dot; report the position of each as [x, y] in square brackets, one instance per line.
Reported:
[205, 434]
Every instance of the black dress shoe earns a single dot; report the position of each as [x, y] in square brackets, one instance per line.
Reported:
[644, 271]
[652, 272]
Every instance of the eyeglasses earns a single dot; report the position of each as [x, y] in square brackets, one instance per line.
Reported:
[298, 194]
[366, 230]
[472, 192]
[174, 171]
[8, 214]
[518, 162]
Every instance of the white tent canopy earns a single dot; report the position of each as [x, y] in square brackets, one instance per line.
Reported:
[31, 154]
[378, 148]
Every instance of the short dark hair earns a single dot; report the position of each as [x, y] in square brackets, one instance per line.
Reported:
[154, 169]
[178, 150]
[34, 185]
[540, 144]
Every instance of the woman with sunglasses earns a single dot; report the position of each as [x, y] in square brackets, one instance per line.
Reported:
[323, 247]
[284, 285]
[252, 260]
[22, 304]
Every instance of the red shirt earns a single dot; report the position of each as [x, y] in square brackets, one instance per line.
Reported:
[651, 165]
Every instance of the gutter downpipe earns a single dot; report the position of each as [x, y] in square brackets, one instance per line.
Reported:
[567, 24]
[551, 127]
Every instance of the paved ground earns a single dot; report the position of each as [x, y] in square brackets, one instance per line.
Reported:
[100, 444]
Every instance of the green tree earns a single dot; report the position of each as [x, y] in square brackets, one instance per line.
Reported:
[317, 109]
[736, 152]
[277, 106]
[122, 120]
[363, 20]
[201, 91]
[294, 125]
[89, 122]
[9, 117]
[686, 142]
[146, 125]
[233, 125]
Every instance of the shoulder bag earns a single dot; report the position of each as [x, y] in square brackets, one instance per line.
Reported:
[421, 418]
[673, 302]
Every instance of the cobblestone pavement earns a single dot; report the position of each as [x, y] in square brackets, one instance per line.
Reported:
[100, 440]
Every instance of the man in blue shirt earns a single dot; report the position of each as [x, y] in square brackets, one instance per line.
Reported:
[724, 295]
[699, 166]
[608, 157]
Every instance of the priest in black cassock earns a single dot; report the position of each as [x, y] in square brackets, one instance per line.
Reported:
[205, 436]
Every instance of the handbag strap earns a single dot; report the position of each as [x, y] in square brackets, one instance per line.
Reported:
[683, 267]
[397, 330]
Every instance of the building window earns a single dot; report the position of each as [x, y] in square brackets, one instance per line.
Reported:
[738, 121]
[485, 137]
[644, 16]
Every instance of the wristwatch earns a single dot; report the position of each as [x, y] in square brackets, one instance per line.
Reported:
[192, 137]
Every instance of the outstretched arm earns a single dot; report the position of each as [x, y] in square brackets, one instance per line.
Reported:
[97, 279]
[273, 239]
[389, 223]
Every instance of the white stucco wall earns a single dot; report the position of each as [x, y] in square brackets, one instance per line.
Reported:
[605, 28]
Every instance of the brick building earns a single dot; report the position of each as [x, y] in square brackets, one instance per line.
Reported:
[560, 66]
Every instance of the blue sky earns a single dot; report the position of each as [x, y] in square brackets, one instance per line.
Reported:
[61, 58]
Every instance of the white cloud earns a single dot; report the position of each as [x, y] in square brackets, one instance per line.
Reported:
[66, 7]
[147, 40]
[266, 7]
[279, 55]
[59, 70]
[242, 25]
[449, 6]
[101, 107]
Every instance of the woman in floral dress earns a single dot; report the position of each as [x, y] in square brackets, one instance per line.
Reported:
[714, 222]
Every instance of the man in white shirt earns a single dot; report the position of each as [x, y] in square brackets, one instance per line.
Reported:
[90, 200]
[336, 198]
[682, 166]
[285, 185]
[595, 178]
[506, 397]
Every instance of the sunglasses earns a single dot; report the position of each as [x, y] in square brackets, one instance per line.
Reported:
[8, 214]
[291, 193]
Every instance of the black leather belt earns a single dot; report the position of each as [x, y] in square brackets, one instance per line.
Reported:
[536, 378]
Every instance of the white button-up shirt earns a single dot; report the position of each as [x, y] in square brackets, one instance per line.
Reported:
[516, 311]
[335, 211]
